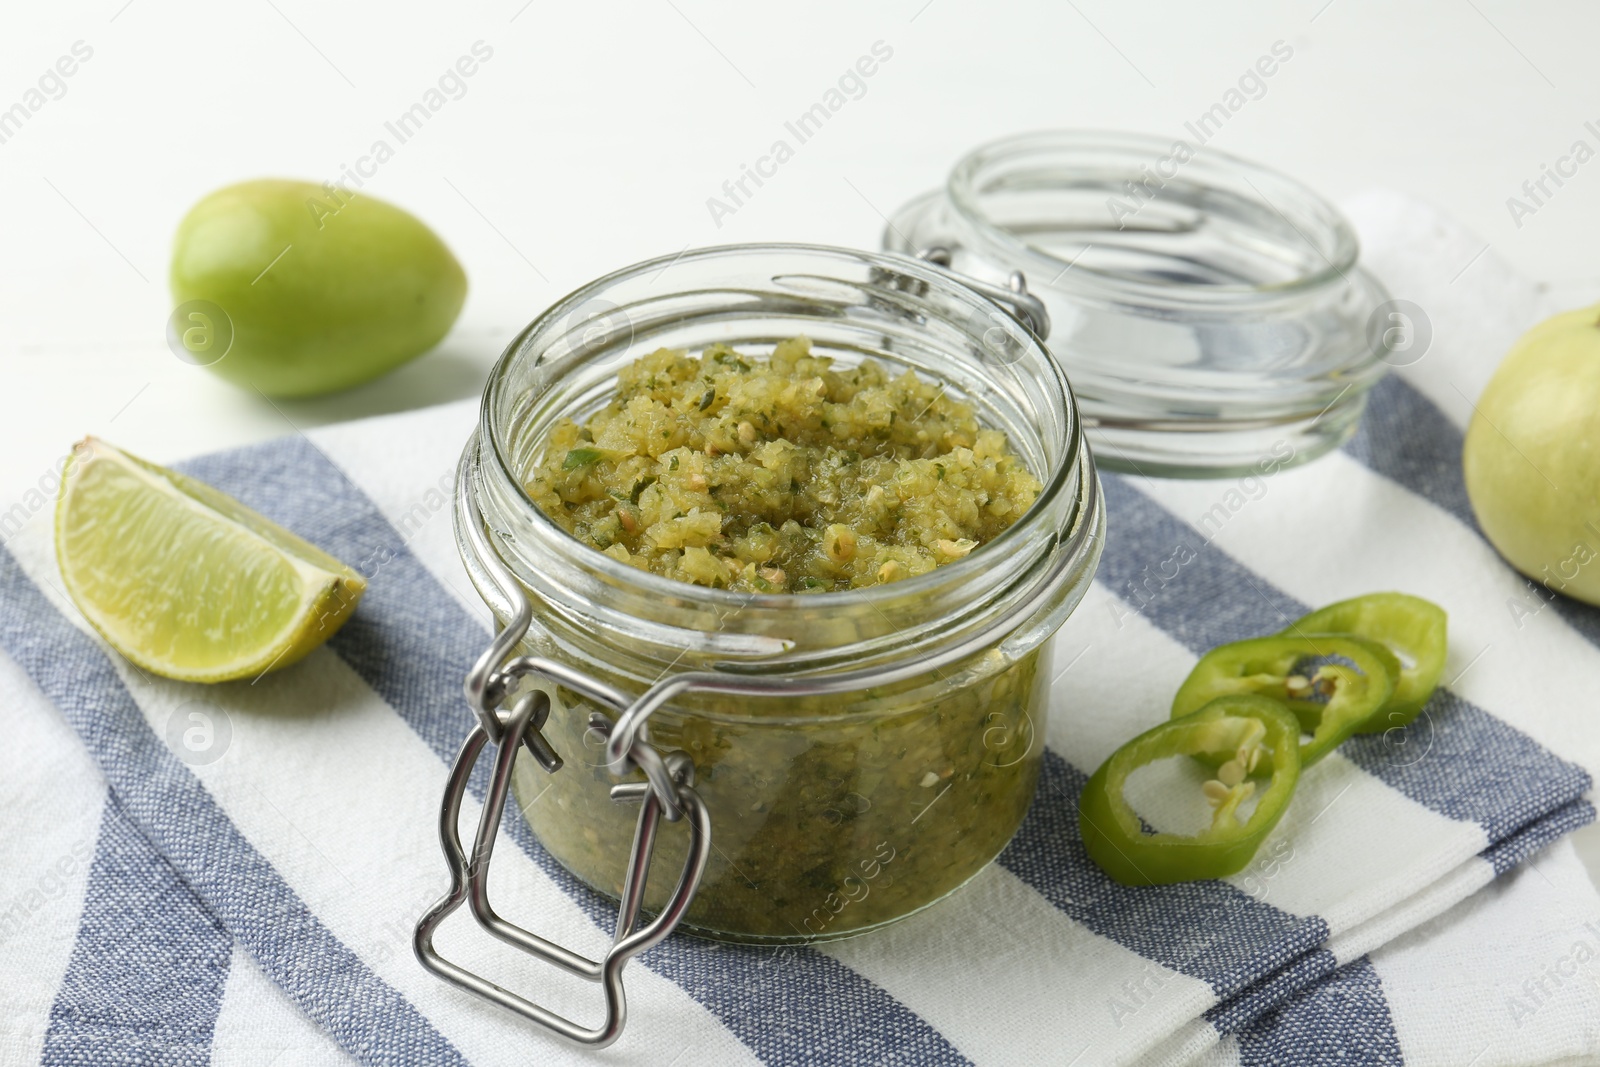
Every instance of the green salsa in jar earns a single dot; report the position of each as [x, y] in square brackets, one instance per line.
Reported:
[849, 476]
[825, 824]
[781, 473]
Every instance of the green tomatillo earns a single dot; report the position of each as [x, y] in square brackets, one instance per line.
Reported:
[1531, 457]
[295, 289]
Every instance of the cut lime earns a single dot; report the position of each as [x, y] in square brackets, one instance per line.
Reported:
[184, 580]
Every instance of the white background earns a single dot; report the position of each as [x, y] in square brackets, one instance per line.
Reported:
[595, 134]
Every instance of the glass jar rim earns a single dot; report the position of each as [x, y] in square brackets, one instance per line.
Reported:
[1333, 239]
[658, 583]
[1036, 535]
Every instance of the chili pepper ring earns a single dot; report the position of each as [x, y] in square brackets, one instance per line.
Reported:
[1244, 733]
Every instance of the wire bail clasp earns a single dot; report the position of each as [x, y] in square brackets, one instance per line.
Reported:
[667, 791]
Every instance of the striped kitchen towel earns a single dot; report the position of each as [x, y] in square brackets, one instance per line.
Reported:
[230, 874]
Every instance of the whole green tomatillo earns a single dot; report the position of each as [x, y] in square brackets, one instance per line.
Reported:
[1531, 457]
[297, 289]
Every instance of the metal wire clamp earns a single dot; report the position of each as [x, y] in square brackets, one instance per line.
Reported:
[668, 791]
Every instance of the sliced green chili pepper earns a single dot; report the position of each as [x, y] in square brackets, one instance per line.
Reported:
[1412, 628]
[1332, 682]
[1245, 737]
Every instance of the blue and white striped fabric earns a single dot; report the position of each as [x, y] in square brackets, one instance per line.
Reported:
[244, 894]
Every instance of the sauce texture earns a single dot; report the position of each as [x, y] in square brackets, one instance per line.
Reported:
[789, 473]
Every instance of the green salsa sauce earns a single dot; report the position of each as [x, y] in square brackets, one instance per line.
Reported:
[781, 474]
[793, 473]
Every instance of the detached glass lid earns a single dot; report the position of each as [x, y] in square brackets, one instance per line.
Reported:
[1210, 313]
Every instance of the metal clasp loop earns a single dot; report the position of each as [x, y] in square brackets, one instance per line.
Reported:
[668, 791]
[469, 879]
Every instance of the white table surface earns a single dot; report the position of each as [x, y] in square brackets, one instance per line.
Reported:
[595, 133]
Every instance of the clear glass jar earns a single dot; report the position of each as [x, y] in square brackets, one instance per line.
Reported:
[830, 814]
[1210, 312]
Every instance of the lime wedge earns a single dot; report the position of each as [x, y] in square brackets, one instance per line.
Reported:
[184, 580]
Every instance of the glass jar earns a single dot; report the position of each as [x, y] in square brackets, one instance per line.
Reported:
[896, 745]
[1210, 312]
